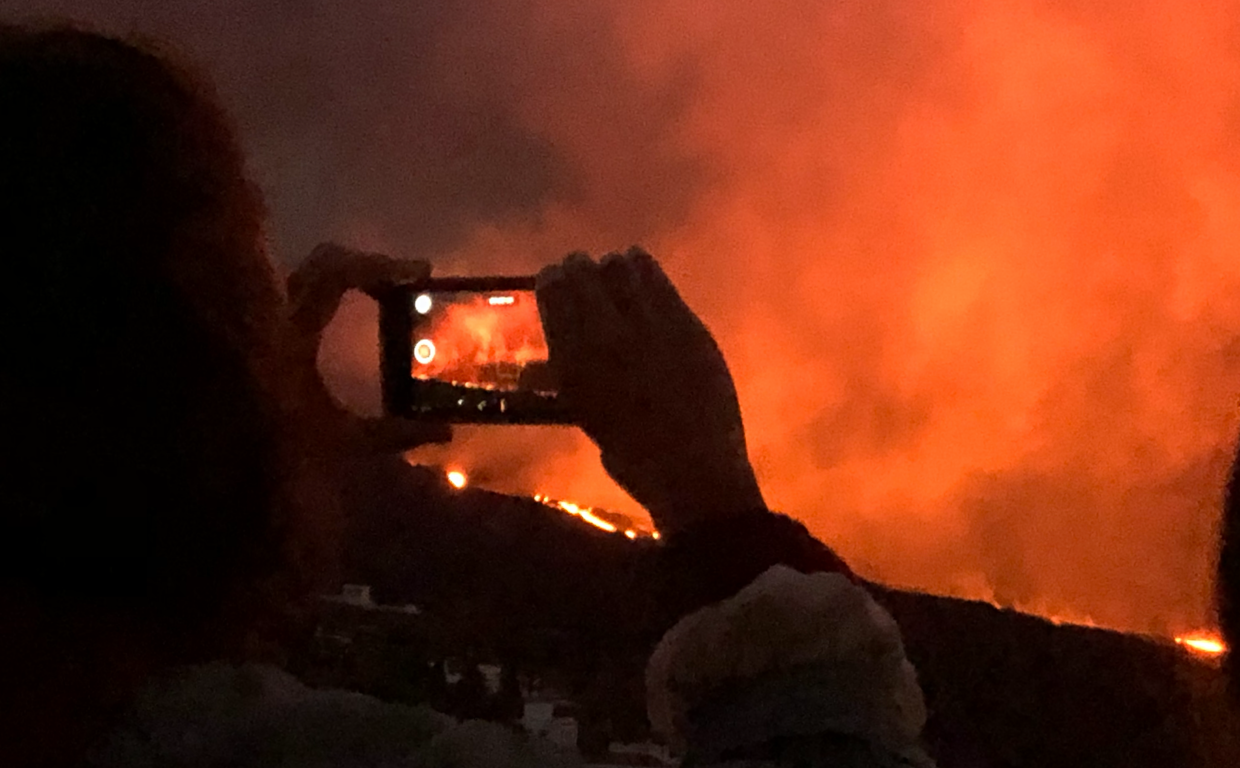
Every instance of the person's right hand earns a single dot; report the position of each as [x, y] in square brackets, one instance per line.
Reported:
[648, 384]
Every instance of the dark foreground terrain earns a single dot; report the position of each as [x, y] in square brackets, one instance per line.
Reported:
[509, 581]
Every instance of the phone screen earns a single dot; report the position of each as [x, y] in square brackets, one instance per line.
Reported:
[483, 339]
[468, 350]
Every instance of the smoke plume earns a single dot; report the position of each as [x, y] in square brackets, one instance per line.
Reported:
[974, 264]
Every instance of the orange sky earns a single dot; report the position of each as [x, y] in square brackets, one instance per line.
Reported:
[974, 264]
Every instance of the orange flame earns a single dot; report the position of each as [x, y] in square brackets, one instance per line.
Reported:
[585, 513]
[476, 341]
[1203, 643]
[457, 479]
[589, 515]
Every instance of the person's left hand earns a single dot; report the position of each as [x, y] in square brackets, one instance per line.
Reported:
[315, 290]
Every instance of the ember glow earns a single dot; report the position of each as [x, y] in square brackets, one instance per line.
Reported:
[1204, 644]
[594, 517]
[457, 479]
[585, 513]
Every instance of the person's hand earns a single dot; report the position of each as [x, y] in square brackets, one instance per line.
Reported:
[648, 384]
[315, 290]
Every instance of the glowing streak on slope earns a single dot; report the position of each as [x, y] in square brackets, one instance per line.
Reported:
[587, 514]
[1205, 644]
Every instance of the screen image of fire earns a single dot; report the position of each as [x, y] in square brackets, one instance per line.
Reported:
[492, 341]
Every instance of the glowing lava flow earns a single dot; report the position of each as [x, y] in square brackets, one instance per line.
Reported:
[1201, 643]
[458, 479]
[588, 514]
[585, 513]
[1204, 644]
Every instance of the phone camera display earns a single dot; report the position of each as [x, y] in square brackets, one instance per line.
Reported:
[468, 350]
[490, 341]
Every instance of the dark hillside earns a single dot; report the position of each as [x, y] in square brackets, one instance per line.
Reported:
[528, 583]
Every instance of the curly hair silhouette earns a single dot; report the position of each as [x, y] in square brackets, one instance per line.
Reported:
[146, 459]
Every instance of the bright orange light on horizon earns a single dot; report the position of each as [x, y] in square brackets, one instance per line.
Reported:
[1205, 644]
[457, 479]
[588, 515]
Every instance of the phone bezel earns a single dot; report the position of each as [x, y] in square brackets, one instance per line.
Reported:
[396, 352]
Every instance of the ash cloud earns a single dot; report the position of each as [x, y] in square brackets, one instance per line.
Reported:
[974, 265]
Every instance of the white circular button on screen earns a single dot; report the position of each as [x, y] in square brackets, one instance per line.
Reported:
[422, 304]
[424, 351]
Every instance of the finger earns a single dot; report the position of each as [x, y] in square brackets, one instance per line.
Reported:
[307, 273]
[554, 299]
[316, 288]
[596, 320]
[332, 263]
[368, 272]
[569, 297]
[582, 327]
[660, 304]
[654, 283]
[313, 299]
[619, 278]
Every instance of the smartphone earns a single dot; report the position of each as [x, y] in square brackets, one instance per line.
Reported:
[467, 350]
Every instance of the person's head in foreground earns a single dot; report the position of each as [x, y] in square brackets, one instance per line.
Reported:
[143, 465]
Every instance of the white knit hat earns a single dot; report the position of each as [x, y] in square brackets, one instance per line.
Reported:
[823, 641]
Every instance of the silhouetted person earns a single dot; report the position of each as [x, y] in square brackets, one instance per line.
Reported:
[142, 467]
[169, 444]
[157, 392]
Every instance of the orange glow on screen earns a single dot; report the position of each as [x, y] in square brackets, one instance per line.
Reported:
[484, 340]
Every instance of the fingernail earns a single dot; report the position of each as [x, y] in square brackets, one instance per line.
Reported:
[578, 261]
[637, 253]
